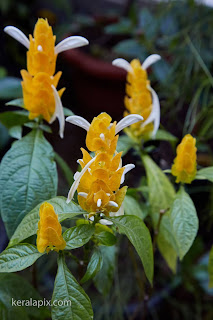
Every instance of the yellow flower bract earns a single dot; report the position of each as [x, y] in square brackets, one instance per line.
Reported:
[41, 56]
[102, 181]
[138, 99]
[38, 94]
[185, 165]
[49, 235]
[41, 63]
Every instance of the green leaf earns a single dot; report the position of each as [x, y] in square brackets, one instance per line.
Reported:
[138, 234]
[94, 266]
[161, 70]
[125, 143]
[165, 135]
[124, 26]
[10, 88]
[18, 257]
[205, 174]
[161, 191]
[4, 136]
[161, 196]
[132, 207]
[45, 128]
[28, 176]
[103, 280]
[76, 237]
[17, 288]
[16, 103]
[29, 224]
[210, 268]
[14, 118]
[67, 289]
[106, 238]
[68, 112]
[16, 132]
[184, 221]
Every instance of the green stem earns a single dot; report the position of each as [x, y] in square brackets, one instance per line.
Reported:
[157, 229]
[69, 254]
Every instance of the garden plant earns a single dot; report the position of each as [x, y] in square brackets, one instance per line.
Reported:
[99, 210]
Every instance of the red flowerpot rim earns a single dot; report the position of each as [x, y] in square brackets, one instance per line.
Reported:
[93, 66]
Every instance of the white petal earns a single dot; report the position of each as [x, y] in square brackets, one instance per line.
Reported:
[99, 203]
[83, 194]
[150, 60]
[127, 167]
[59, 112]
[122, 63]
[77, 181]
[155, 113]
[76, 175]
[127, 121]
[79, 121]
[102, 136]
[71, 43]
[112, 204]
[18, 35]
[105, 222]
[92, 218]
[120, 212]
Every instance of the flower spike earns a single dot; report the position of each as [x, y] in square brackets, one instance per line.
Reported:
[49, 234]
[98, 183]
[185, 163]
[140, 97]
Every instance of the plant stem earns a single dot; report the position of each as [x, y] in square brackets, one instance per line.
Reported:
[69, 254]
[156, 232]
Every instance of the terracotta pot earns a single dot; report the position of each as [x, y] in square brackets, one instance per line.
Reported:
[98, 86]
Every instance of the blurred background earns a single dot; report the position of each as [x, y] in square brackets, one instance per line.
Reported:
[181, 32]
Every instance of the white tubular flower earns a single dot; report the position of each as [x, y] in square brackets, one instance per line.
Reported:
[59, 112]
[77, 181]
[127, 168]
[79, 121]
[125, 122]
[17, 35]
[155, 113]
[66, 44]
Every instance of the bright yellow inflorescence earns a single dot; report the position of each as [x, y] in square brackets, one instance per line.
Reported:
[41, 62]
[102, 181]
[185, 165]
[138, 99]
[41, 56]
[49, 235]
